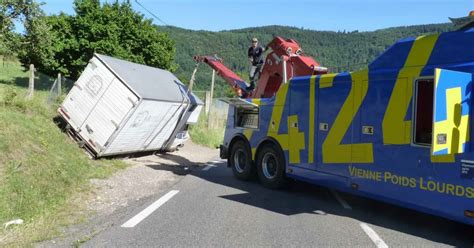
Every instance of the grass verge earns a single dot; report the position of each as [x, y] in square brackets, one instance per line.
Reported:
[208, 135]
[43, 174]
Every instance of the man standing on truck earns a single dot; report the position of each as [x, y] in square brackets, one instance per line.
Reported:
[255, 54]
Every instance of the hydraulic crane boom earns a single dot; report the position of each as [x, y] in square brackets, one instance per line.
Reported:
[285, 60]
[237, 83]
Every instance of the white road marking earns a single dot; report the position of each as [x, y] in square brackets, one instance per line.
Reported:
[340, 200]
[208, 167]
[373, 236]
[149, 210]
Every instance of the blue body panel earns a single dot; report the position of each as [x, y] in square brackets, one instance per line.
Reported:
[383, 163]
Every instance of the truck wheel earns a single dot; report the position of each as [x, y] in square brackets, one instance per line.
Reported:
[271, 167]
[240, 160]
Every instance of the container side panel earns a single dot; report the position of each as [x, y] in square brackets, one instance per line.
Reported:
[108, 114]
[168, 127]
[86, 92]
[146, 122]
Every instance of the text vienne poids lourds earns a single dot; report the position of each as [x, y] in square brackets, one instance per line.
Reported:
[415, 183]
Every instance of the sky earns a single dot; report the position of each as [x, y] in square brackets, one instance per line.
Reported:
[335, 15]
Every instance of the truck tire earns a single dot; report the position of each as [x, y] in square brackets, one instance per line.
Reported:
[240, 160]
[271, 167]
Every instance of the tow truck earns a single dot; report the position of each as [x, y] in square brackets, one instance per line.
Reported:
[398, 131]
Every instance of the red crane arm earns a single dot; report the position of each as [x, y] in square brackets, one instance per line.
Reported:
[285, 60]
[237, 83]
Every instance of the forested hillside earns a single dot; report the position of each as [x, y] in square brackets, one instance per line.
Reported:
[337, 50]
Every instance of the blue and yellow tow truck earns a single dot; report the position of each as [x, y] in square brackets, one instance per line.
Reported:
[398, 131]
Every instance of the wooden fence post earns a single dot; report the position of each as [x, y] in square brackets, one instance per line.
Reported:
[211, 96]
[213, 80]
[207, 102]
[31, 84]
[59, 84]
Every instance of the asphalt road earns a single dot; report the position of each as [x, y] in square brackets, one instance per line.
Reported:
[210, 208]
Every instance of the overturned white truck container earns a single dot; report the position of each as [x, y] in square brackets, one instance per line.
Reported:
[118, 107]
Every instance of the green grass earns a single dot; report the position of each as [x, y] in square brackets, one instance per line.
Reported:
[211, 137]
[11, 71]
[44, 176]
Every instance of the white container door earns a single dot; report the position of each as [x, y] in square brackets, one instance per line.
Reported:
[109, 113]
[86, 92]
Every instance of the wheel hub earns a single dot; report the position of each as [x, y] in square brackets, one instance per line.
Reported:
[270, 166]
[239, 161]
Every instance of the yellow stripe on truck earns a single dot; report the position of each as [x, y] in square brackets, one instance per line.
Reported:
[297, 141]
[312, 100]
[395, 129]
[335, 152]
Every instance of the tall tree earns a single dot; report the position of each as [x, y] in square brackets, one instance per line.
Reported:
[25, 11]
[113, 29]
[37, 41]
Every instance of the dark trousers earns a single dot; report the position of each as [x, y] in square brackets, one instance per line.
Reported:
[254, 74]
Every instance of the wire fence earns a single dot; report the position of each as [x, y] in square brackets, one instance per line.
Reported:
[13, 73]
[217, 105]
[60, 87]
[215, 111]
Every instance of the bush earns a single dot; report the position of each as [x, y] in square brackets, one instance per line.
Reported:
[9, 96]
